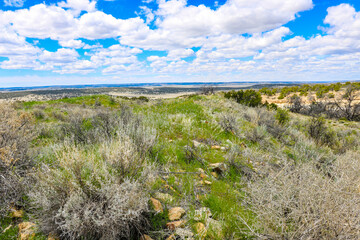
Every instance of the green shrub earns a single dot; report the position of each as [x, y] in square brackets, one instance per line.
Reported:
[282, 116]
[249, 98]
[318, 130]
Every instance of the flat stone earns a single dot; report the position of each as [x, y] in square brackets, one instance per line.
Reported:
[171, 237]
[196, 143]
[215, 147]
[203, 175]
[218, 167]
[184, 233]
[176, 213]
[214, 174]
[175, 224]
[15, 213]
[200, 229]
[164, 197]
[26, 230]
[156, 205]
[205, 182]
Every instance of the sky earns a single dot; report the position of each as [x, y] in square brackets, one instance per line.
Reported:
[49, 42]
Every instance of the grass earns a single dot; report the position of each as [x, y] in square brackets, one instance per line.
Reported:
[250, 151]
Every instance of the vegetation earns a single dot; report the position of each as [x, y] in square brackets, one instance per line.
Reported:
[100, 167]
[249, 98]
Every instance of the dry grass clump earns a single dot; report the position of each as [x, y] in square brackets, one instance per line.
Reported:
[104, 125]
[228, 123]
[96, 188]
[15, 136]
[93, 194]
[300, 202]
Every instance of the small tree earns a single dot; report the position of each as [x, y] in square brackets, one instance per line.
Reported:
[207, 90]
[350, 110]
[282, 116]
[295, 103]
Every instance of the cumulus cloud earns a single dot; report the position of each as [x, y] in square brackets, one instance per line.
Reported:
[234, 17]
[72, 43]
[77, 6]
[240, 36]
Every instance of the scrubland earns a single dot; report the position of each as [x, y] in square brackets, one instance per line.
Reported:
[193, 167]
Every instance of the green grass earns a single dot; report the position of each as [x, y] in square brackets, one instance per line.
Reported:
[178, 122]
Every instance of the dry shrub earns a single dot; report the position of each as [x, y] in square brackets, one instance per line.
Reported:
[97, 188]
[264, 117]
[300, 202]
[93, 194]
[228, 123]
[103, 125]
[15, 136]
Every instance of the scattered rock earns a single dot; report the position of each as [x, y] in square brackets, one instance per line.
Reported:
[223, 149]
[205, 182]
[171, 237]
[202, 214]
[156, 205]
[214, 174]
[176, 213]
[164, 197]
[170, 187]
[200, 170]
[196, 143]
[145, 237]
[16, 213]
[200, 229]
[218, 167]
[215, 147]
[175, 224]
[203, 175]
[26, 230]
[184, 233]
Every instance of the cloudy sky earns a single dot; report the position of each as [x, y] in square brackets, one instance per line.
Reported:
[124, 41]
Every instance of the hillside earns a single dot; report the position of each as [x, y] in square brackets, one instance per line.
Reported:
[191, 167]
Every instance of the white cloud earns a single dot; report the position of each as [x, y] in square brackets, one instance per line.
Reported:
[77, 6]
[72, 44]
[14, 3]
[179, 28]
[61, 56]
[41, 21]
[234, 17]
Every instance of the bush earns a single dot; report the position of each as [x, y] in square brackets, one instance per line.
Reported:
[207, 90]
[104, 125]
[90, 196]
[282, 116]
[299, 202]
[16, 134]
[249, 98]
[228, 123]
[318, 130]
[295, 103]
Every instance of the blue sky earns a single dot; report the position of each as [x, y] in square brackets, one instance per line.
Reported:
[130, 41]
